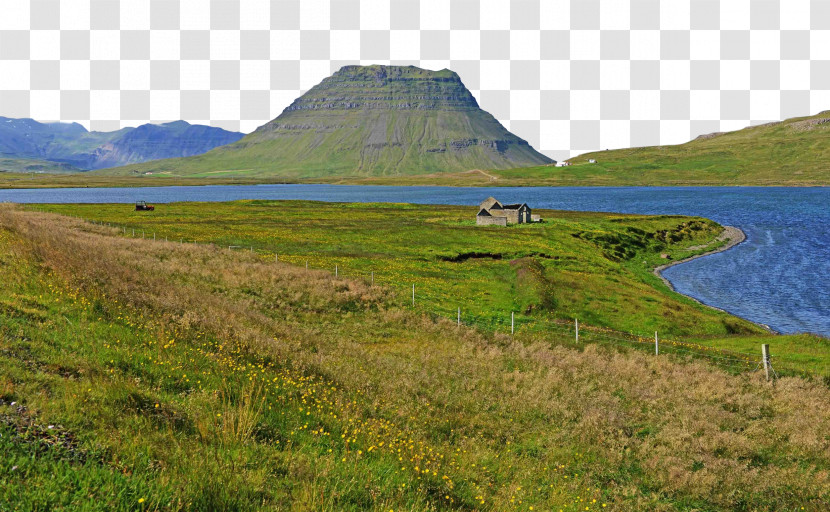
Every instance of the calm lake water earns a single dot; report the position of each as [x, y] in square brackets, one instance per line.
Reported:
[779, 277]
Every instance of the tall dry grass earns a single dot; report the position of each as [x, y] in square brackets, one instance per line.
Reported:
[240, 412]
[654, 432]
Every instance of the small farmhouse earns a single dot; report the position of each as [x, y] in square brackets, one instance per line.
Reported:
[492, 213]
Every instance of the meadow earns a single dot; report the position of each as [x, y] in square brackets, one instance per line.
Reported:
[592, 267]
[14, 178]
[156, 375]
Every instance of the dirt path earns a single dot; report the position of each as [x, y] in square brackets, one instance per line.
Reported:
[492, 178]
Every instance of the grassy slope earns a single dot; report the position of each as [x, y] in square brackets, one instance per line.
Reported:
[309, 155]
[185, 377]
[25, 167]
[794, 152]
[791, 153]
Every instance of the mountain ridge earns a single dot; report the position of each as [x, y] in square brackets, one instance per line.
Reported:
[73, 145]
[367, 121]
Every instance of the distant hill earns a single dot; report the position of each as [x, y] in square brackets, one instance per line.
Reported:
[76, 148]
[367, 121]
[26, 165]
[791, 152]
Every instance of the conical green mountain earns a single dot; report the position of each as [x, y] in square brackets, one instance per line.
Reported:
[367, 121]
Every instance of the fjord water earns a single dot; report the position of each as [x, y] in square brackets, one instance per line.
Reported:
[779, 277]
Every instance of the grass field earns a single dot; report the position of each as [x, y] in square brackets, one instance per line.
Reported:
[17, 180]
[594, 267]
[159, 375]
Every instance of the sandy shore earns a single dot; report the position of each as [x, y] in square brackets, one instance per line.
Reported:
[731, 234]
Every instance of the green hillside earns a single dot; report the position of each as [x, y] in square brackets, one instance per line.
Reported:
[795, 152]
[27, 166]
[791, 152]
[366, 121]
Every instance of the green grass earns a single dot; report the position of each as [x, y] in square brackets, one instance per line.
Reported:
[29, 167]
[595, 267]
[68, 449]
[794, 152]
[19, 180]
[198, 378]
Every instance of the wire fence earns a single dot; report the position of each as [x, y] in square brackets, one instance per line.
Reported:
[565, 331]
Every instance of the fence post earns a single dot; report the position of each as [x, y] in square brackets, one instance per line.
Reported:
[373, 278]
[512, 323]
[413, 294]
[276, 258]
[306, 264]
[459, 317]
[335, 271]
[765, 356]
[576, 328]
[656, 344]
[154, 237]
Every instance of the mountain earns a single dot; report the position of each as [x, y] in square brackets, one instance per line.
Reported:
[791, 152]
[73, 145]
[368, 121]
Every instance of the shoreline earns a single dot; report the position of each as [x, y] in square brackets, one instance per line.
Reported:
[11, 180]
[733, 236]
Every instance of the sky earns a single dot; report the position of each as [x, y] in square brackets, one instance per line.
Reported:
[569, 76]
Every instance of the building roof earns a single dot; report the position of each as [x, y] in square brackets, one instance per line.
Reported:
[517, 206]
[483, 213]
[491, 203]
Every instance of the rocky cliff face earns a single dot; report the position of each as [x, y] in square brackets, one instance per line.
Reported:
[387, 88]
[72, 144]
